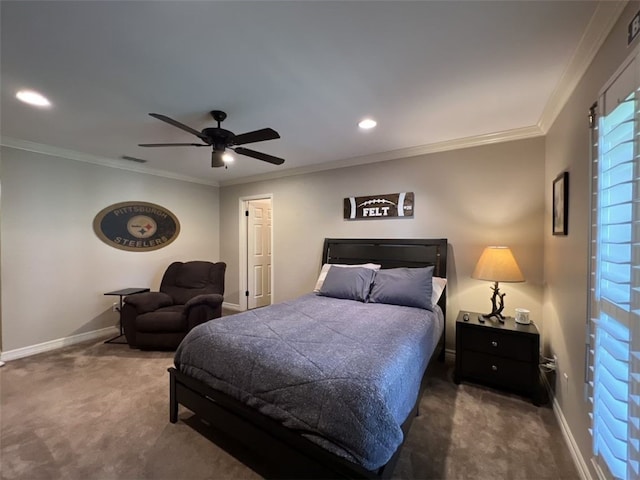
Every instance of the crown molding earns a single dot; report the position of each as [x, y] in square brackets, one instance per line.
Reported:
[97, 160]
[602, 22]
[456, 144]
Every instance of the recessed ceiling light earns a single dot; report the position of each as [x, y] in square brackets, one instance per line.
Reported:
[33, 98]
[367, 124]
[227, 158]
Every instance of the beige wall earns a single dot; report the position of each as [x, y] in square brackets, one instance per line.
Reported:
[55, 269]
[474, 197]
[566, 258]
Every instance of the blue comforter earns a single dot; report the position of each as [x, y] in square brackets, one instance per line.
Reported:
[344, 374]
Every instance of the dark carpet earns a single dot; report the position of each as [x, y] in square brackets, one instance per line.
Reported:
[96, 411]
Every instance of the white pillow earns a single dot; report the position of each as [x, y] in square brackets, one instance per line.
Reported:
[438, 287]
[325, 268]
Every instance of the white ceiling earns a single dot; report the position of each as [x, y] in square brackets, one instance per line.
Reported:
[431, 73]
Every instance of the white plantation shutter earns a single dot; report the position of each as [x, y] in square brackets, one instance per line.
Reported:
[614, 357]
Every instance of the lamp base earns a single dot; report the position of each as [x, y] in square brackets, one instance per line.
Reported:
[497, 315]
[497, 303]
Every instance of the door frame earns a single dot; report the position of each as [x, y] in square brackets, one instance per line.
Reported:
[243, 276]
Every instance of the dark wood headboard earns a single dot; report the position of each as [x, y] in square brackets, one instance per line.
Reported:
[390, 253]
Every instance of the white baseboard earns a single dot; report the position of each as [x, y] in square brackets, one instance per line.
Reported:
[232, 306]
[449, 355]
[576, 455]
[55, 344]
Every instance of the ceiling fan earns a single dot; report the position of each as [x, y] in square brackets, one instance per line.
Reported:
[220, 139]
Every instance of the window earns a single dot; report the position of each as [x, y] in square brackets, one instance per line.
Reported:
[614, 342]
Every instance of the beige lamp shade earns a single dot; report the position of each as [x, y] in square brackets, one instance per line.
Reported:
[498, 264]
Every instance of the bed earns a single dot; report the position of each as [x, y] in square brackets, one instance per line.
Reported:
[325, 385]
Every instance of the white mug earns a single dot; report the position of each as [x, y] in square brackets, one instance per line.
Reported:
[522, 316]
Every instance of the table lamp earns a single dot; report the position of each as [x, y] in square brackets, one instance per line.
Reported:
[497, 264]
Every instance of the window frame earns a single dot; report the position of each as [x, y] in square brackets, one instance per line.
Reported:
[628, 72]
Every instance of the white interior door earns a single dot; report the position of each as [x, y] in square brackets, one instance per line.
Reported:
[259, 253]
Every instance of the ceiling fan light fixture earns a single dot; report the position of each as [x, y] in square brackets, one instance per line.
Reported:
[227, 158]
[367, 124]
[34, 98]
[217, 159]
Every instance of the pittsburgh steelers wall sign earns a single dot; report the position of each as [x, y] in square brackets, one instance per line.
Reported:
[136, 226]
[387, 205]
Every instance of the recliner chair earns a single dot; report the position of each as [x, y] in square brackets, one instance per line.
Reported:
[190, 293]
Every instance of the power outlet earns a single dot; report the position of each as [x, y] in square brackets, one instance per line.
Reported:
[114, 307]
[549, 364]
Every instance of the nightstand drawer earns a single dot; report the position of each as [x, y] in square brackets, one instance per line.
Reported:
[495, 342]
[497, 370]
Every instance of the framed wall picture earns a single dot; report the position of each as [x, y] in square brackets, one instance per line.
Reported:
[561, 204]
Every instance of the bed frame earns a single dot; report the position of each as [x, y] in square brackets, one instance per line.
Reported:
[288, 454]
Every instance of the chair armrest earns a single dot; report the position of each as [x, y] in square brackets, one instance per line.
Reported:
[209, 299]
[148, 301]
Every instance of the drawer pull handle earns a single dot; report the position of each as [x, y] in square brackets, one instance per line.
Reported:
[494, 343]
[494, 368]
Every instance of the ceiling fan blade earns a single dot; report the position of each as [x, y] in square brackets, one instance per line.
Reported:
[259, 155]
[179, 125]
[255, 136]
[173, 145]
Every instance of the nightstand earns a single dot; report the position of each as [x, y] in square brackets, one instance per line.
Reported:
[502, 355]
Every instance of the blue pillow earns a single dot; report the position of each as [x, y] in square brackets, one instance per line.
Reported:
[411, 287]
[348, 283]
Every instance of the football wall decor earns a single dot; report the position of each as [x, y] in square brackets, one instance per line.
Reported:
[388, 205]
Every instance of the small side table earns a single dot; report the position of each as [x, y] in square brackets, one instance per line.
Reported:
[503, 355]
[123, 293]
